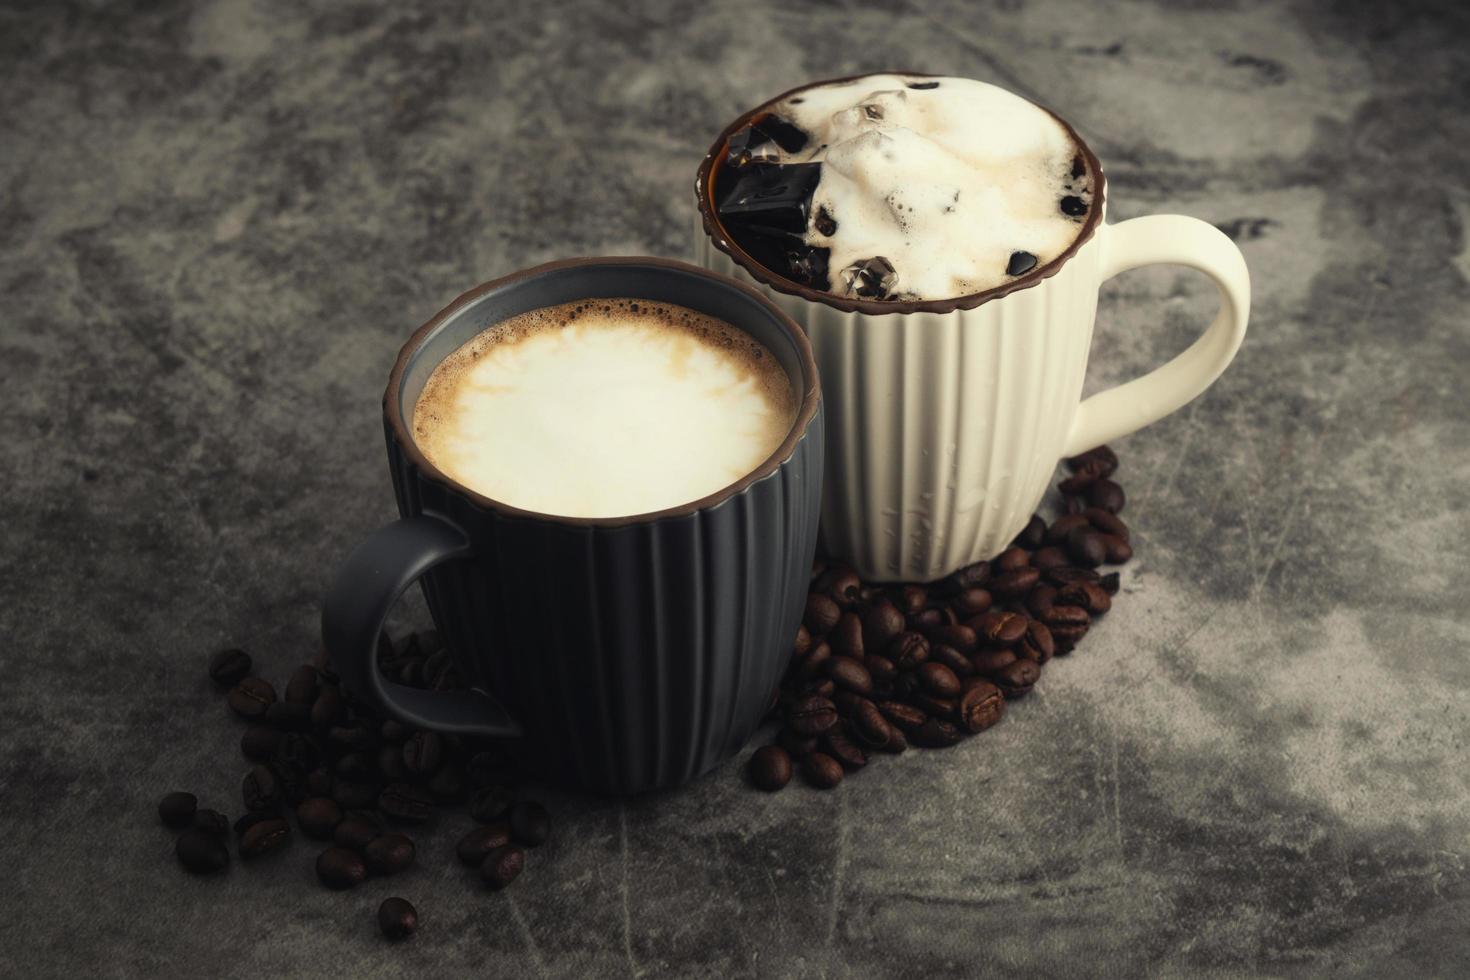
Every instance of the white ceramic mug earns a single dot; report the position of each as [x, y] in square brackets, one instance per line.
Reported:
[946, 418]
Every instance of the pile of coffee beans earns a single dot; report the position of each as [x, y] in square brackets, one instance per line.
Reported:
[876, 669]
[357, 781]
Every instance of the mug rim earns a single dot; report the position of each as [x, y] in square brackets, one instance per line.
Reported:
[714, 229]
[806, 411]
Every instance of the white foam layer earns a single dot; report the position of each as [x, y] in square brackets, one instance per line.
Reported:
[946, 183]
[622, 408]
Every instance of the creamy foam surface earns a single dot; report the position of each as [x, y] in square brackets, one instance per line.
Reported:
[604, 408]
[947, 180]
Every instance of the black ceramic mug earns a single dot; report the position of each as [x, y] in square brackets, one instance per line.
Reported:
[624, 653]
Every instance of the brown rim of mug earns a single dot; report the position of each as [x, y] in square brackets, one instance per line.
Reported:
[715, 232]
[810, 397]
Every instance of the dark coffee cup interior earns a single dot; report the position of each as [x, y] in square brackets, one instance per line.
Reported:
[565, 282]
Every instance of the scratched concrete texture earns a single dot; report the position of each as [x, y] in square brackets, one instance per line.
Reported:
[220, 219]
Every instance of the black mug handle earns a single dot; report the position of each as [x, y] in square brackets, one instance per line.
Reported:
[368, 583]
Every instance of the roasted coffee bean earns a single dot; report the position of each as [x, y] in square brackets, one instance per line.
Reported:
[356, 765]
[287, 717]
[847, 637]
[1118, 550]
[908, 650]
[259, 743]
[1087, 596]
[821, 614]
[1032, 534]
[448, 784]
[770, 768]
[1013, 585]
[264, 837]
[326, 710]
[821, 771]
[902, 715]
[936, 734]
[1037, 644]
[897, 741]
[1067, 574]
[389, 854]
[971, 602]
[201, 852]
[1041, 598]
[796, 745]
[847, 703]
[354, 737]
[870, 726]
[849, 674]
[933, 706]
[397, 918]
[390, 762]
[318, 817]
[992, 659]
[1101, 461]
[904, 685]
[301, 688]
[490, 803]
[981, 705]
[1110, 583]
[822, 688]
[847, 752]
[1063, 526]
[423, 753]
[1106, 495]
[845, 587]
[1076, 485]
[951, 658]
[803, 642]
[1017, 680]
[1085, 547]
[999, 628]
[251, 697]
[811, 716]
[354, 794]
[1068, 624]
[926, 619]
[260, 789]
[1047, 558]
[1009, 560]
[479, 842]
[355, 831]
[1105, 522]
[253, 817]
[229, 667]
[492, 767]
[177, 809]
[912, 598]
[405, 803]
[814, 664]
[212, 821]
[880, 669]
[339, 868]
[881, 623]
[530, 823]
[970, 575]
[395, 731]
[955, 635]
[938, 680]
[502, 866]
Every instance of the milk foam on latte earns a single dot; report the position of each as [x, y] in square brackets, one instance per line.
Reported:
[927, 188]
[604, 408]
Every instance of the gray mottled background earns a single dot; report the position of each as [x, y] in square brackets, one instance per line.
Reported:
[219, 220]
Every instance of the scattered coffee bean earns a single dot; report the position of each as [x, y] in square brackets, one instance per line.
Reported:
[1085, 595]
[229, 667]
[318, 817]
[490, 803]
[992, 659]
[811, 716]
[1106, 495]
[881, 623]
[814, 664]
[847, 637]
[259, 743]
[1100, 462]
[212, 821]
[201, 852]
[264, 837]
[1110, 583]
[326, 710]
[796, 746]
[355, 832]
[1033, 533]
[1119, 551]
[936, 734]
[938, 680]
[397, 919]
[1013, 585]
[845, 587]
[177, 809]
[821, 771]
[1066, 575]
[339, 868]
[850, 675]
[903, 716]
[951, 658]
[475, 845]
[448, 785]
[530, 823]
[287, 717]
[821, 614]
[1017, 680]
[259, 789]
[956, 635]
[1047, 558]
[301, 688]
[981, 705]
[1063, 526]
[770, 768]
[999, 628]
[251, 818]
[251, 697]
[897, 741]
[1037, 644]
[1009, 560]
[913, 598]
[405, 803]
[870, 726]
[389, 854]
[803, 641]
[908, 650]
[502, 866]
[880, 669]
[847, 752]
[423, 752]
[1085, 547]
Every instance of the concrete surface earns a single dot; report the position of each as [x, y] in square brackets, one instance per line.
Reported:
[219, 221]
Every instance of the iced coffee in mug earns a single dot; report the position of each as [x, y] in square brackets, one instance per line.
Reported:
[942, 242]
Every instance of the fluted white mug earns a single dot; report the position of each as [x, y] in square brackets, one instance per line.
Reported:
[946, 418]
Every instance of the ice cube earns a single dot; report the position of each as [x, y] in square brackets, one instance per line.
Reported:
[873, 278]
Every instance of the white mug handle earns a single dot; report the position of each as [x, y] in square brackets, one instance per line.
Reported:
[1167, 239]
